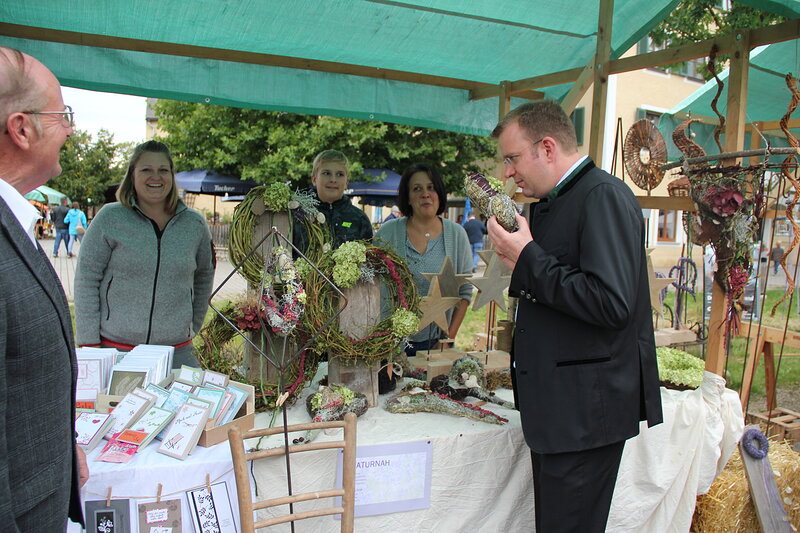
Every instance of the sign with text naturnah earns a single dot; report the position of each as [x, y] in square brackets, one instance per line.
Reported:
[391, 478]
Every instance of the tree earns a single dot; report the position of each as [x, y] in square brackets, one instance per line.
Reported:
[269, 146]
[88, 167]
[697, 20]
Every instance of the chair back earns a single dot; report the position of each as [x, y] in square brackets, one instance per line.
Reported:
[241, 458]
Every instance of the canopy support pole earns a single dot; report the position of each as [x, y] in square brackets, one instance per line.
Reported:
[600, 81]
[734, 141]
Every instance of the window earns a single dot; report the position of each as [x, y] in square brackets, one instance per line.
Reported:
[577, 117]
[652, 116]
[692, 69]
[667, 224]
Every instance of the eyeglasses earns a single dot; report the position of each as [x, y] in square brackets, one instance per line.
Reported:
[509, 160]
[66, 115]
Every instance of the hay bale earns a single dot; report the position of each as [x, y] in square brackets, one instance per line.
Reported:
[728, 507]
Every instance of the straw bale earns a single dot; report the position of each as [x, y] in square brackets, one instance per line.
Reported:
[728, 507]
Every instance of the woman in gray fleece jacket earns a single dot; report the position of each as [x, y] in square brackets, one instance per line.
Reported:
[146, 268]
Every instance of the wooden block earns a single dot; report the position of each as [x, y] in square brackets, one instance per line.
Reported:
[451, 354]
[479, 343]
[766, 498]
[667, 336]
[781, 423]
[437, 367]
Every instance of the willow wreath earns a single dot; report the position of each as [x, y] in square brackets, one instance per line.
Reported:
[755, 443]
[276, 198]
[219, 350]
[372, 264]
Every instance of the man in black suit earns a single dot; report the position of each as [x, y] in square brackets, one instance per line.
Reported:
[41, 468]
[584, 354]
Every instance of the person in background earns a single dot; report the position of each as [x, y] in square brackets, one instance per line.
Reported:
[475, 231]
[395, 213]
[146, 268]
[329, 176]
[584, 358]
[41, 467]
[776, 255]
[76, 219]
[57, 215]
[423, 238]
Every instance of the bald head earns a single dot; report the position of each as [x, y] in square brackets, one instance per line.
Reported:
[18, 87]
[29, 148]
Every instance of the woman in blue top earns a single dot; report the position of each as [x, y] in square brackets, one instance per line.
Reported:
[75, 218]
[424, 238]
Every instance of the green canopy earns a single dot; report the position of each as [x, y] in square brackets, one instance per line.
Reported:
[46, 195]
[411, 62]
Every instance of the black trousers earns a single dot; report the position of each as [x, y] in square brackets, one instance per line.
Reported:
[572, 491]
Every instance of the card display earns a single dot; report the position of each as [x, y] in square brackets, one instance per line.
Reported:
[182, 435]
[113, 519]
[211, 510]
[160, 517]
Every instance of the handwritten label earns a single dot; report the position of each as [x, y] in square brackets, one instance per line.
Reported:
[160, 530]
[157, 515]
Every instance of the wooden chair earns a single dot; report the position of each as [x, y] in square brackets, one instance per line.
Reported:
[347, 492]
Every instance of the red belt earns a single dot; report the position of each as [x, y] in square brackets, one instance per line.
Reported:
[129, 347]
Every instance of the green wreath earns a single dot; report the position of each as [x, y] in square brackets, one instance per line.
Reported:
[216, 351]
[353, 262]
[276, 198]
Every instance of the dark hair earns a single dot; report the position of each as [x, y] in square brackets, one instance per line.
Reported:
[542, 118]
[127, 192]
[76, 205]
[438, 187]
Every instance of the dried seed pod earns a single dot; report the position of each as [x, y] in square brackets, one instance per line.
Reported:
[491, 201]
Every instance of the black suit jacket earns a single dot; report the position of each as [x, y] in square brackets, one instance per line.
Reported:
[38, 471]
[584, 350]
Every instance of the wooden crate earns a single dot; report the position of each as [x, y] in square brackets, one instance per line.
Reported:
[781, 423]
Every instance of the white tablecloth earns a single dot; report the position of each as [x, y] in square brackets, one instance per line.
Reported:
[481, 478]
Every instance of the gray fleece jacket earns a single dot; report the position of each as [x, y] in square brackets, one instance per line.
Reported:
[135, 284]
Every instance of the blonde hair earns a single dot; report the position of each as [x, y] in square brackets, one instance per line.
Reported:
[330, 156]
[126, 193]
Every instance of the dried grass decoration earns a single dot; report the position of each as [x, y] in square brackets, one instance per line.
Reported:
[728, 507]
[277, 197]
[730, 201]
[361, 262]
[644, 151]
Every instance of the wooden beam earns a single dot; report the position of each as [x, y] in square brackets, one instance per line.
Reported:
[734, 141]
[725, 44]
[582, 85]
[600, 81]
[667, 203]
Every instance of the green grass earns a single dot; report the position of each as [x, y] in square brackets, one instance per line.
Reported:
[788, 372]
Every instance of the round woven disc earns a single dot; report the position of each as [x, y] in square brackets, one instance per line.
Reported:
[644, 152]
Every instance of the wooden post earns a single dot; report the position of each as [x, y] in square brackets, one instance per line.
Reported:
[362, 313]
[257, 368]
[734, 141]
[504, 101]
[600, 80]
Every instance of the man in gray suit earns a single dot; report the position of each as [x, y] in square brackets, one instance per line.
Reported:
[41, 468]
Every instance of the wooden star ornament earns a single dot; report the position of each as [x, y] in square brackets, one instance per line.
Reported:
[487, 255]
[492, 285]
[434, 307]
[449, 281]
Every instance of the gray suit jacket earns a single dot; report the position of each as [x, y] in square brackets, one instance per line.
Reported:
[38, 471]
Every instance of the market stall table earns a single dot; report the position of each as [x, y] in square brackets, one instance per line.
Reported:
[481, 473]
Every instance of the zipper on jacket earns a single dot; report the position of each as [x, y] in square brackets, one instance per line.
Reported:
[159, 233]
[108, 305]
